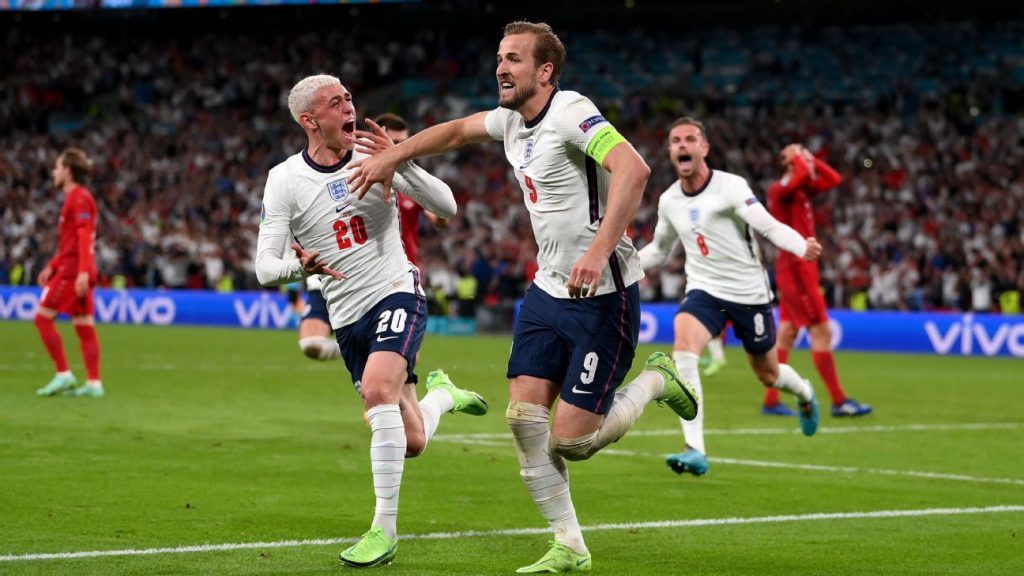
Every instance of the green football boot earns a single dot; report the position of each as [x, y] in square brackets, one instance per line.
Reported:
[714, 367]
[559, 560]
[374, 549]
[465, 400]
[85, 391]
[57, 385]
[678, 394]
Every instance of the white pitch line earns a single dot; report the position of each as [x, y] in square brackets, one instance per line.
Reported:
[528, 532]
[827, 468]
[776, 431]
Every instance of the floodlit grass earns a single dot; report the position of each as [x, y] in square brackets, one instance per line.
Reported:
[212, 436]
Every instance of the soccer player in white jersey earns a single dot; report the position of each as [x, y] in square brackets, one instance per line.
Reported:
[315, 334]
[577, 329]
[713, 213]
[377, 307]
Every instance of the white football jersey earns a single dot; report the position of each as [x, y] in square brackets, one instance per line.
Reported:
[715, 225]
[361, 238]
[564, 190]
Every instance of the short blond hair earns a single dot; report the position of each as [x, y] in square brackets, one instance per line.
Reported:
[300, 99]
[76, 160]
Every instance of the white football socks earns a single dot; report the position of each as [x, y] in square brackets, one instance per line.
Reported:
[544, 473]
[387, 460]
[790, 381]
[627, 407]
[693, 431]
[432, 406]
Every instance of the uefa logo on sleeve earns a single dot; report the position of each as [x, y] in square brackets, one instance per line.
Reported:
[338, 189]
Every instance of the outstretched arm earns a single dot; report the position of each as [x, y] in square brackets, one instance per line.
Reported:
[434, 140]
[778, 233]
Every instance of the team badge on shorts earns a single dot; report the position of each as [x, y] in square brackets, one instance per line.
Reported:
[338, 189]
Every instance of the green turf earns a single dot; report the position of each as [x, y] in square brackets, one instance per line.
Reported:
[212, 436]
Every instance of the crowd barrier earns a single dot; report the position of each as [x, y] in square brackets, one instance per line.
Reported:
[922, 333]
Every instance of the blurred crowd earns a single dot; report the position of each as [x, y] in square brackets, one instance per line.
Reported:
[925, 123]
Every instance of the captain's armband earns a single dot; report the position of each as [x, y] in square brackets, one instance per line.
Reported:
[603, 142]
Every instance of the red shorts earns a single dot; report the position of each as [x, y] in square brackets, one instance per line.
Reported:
[59, 295]
[800, 300]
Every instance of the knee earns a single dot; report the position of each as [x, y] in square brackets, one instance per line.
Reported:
[575, 448]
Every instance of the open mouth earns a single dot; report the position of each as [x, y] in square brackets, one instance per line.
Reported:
[349, 127]
[505, 86]
[685, 160]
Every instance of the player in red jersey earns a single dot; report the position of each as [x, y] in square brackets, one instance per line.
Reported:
[69, 278]
[800, 300]
[315, 338]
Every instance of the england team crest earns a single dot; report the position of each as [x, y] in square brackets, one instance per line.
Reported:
[529, 151]
[694, 215]
[338, 189]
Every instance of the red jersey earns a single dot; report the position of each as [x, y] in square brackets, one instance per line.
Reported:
[76, 250]
[409, 220]
[789, 199]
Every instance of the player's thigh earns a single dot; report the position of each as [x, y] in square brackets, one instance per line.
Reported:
[383, 378]
[538, 351]
[395, 326]
[59, 296]
[602, 333]
[700, 315]
[787, 334]
[754, 325]
[310, 327]
[574, 422]
[533, 390]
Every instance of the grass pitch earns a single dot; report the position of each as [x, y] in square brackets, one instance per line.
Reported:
[229, 437]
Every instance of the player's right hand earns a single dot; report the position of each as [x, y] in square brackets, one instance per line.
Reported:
[312, 264]
[44, 276]
[813, 249]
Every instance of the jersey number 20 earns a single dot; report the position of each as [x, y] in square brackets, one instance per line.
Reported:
[341, 231]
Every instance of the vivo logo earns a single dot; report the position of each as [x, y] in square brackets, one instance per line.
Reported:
[967, 333]
[263, 312]
[19, 306]
[123, 309]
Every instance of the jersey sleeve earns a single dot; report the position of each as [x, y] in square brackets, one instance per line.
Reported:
[583, 127]
[84, 214]
[827, 177]
[741, 198]
[272, 268]
[425, 189]
[665, 236]
[496, 121]
[790, 183]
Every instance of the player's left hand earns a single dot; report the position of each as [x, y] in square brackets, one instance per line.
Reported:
[312, 264]
[813, 249]
[82, 284]
[586, 276]
[369, 171]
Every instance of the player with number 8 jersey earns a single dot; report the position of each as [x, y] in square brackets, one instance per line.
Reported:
[714, 214]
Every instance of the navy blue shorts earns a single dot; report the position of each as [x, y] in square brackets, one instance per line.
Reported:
[753, 324]
[587, 344]
[396, 324]
[316, 307]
